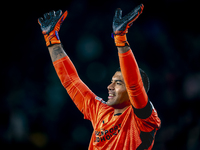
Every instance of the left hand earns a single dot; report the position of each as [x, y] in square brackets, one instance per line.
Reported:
[121, 24]
[50, 26]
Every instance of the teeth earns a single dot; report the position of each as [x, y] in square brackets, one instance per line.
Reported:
[111, 95]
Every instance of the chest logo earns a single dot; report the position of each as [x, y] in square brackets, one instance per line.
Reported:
[104, 135]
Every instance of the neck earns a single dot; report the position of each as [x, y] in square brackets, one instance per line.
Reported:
[120, 110]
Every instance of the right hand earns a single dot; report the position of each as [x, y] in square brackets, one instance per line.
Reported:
[50, 26]
[121, 24]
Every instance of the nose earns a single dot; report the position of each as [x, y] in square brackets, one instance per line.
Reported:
[111, 86]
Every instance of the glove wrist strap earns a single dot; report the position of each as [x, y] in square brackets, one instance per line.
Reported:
[121, 40]
[52, 38]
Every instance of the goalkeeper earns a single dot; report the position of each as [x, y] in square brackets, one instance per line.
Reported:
[128, 120]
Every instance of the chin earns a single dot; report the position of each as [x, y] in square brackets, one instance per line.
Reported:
[110, 103]
[114, 104]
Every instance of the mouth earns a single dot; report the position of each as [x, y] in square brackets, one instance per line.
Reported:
[110, 96]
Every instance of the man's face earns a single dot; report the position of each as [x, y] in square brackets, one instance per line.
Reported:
[118, 96]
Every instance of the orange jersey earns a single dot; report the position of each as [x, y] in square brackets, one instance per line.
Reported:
[134, 129]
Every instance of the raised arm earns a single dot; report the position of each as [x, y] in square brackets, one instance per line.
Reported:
[85, 100]
[132, 78]
[128, 64]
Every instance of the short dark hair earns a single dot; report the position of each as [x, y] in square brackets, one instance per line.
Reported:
[145, 79]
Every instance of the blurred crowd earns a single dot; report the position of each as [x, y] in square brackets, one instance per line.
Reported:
[37, 113]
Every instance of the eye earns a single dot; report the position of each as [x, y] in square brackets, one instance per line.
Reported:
[118, 83]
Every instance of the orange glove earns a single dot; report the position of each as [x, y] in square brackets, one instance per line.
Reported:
[50, 25]
[121, 25]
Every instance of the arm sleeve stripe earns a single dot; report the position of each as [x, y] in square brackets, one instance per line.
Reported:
[145, 112]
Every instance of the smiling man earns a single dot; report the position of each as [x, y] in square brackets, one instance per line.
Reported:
[118, 96]
[128, 120]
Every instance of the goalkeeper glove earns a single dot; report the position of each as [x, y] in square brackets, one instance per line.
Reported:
[50, 25]
[121, 24]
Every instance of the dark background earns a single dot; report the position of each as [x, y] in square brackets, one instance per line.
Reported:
[35, 110]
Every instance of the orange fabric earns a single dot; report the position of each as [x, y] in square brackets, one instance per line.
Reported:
[121, 40]
[133, 80]
[110, 132]
[120, 132]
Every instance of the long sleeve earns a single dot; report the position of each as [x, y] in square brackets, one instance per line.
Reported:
[85, 100]
[133, 80]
